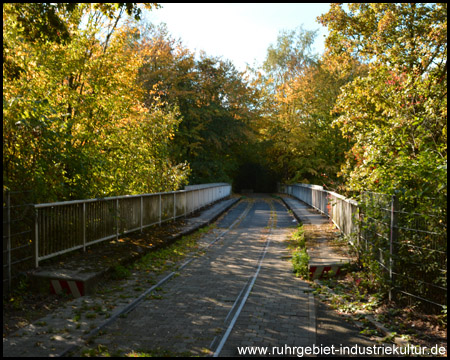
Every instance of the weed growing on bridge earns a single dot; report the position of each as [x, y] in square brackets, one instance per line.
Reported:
[120, 272]
[300, 257]
[299, 237]
[300, 260]
[165, 258]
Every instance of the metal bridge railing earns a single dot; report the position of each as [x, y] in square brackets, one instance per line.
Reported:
[342, 211]
[66, 226]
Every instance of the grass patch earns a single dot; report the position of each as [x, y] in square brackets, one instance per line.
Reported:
[99, 351]
[120, 272]
[158, 352]
[166, 258]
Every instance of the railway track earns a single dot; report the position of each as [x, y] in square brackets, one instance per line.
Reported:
[130, 307]
[204, 297]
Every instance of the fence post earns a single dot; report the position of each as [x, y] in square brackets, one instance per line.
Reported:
[36, 238]
[8, 246]
[392, 239]
[358, 226]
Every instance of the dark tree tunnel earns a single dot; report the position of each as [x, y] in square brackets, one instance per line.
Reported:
[255, 177]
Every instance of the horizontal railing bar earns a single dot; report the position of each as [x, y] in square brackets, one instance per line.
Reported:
[411, 213]
[152, 224]
[16, 206]
[73, 202]
[342, 197]
[418, 247]
[408, 213]
[21, 233]
[419, 297]
[100, 240]
[204, 186]
[16, 248]
[19, 261]
[417, 230]
[130, 231]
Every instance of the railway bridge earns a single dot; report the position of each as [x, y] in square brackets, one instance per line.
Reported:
[233, 293]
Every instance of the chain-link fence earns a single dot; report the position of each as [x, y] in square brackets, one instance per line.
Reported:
[410, 249]
[403, 241]
[18, 219]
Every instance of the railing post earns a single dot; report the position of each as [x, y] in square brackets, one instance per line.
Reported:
[142, 210]
[84, 226]
[185, 204]
[117, 219]
[198, 199]
[160, 209]
[174, 205]
[392, 239]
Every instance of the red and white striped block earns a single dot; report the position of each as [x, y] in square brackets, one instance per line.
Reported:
[319, 271]
[76, 288]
